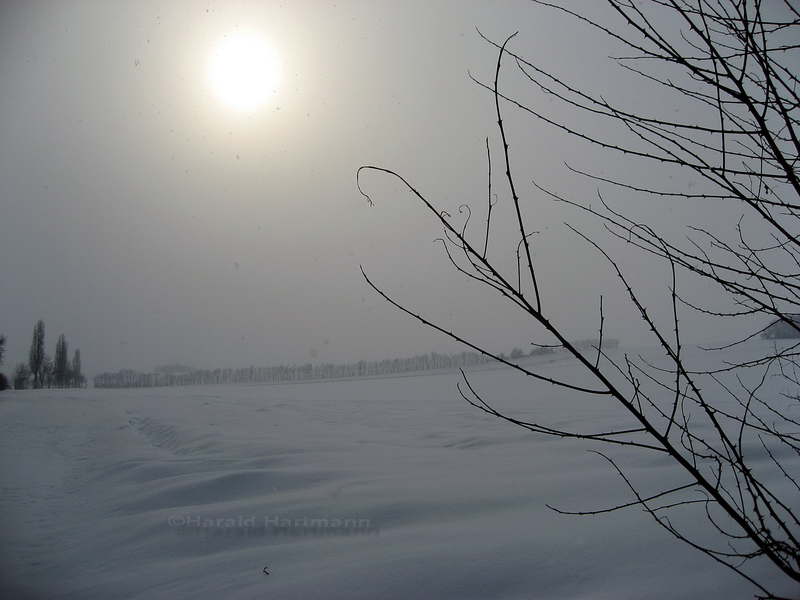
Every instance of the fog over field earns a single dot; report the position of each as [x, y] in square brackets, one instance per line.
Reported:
[152, 223]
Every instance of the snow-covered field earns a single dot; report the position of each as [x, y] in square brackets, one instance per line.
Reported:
[373, 488]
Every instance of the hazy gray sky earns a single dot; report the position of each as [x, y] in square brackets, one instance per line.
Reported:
[151, 223]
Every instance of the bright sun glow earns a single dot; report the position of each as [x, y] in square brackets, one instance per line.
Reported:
[244, 70]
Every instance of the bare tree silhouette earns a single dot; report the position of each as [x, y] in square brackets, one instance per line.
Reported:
[733, 438]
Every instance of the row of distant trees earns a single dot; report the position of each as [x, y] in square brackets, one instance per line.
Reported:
[58, 371]
[362, 368]
[421, 362]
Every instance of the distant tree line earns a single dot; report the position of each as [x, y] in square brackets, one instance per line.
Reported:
[46, 371]
[130, 378]
[126, 378]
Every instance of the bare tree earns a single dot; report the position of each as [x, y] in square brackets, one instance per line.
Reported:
[22, 371]
[734, 439]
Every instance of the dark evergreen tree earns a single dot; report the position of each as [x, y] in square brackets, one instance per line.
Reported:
[77, 378]
[36, 355]
[3, 380]
[47, 371]
[61, 362]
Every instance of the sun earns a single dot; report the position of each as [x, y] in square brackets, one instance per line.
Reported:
[244, 70]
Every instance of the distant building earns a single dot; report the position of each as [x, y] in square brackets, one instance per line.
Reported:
[781, 330]
[21, 383]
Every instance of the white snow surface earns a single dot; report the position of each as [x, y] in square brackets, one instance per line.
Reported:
[190, 492]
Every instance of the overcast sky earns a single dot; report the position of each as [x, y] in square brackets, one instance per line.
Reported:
[152, 223]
